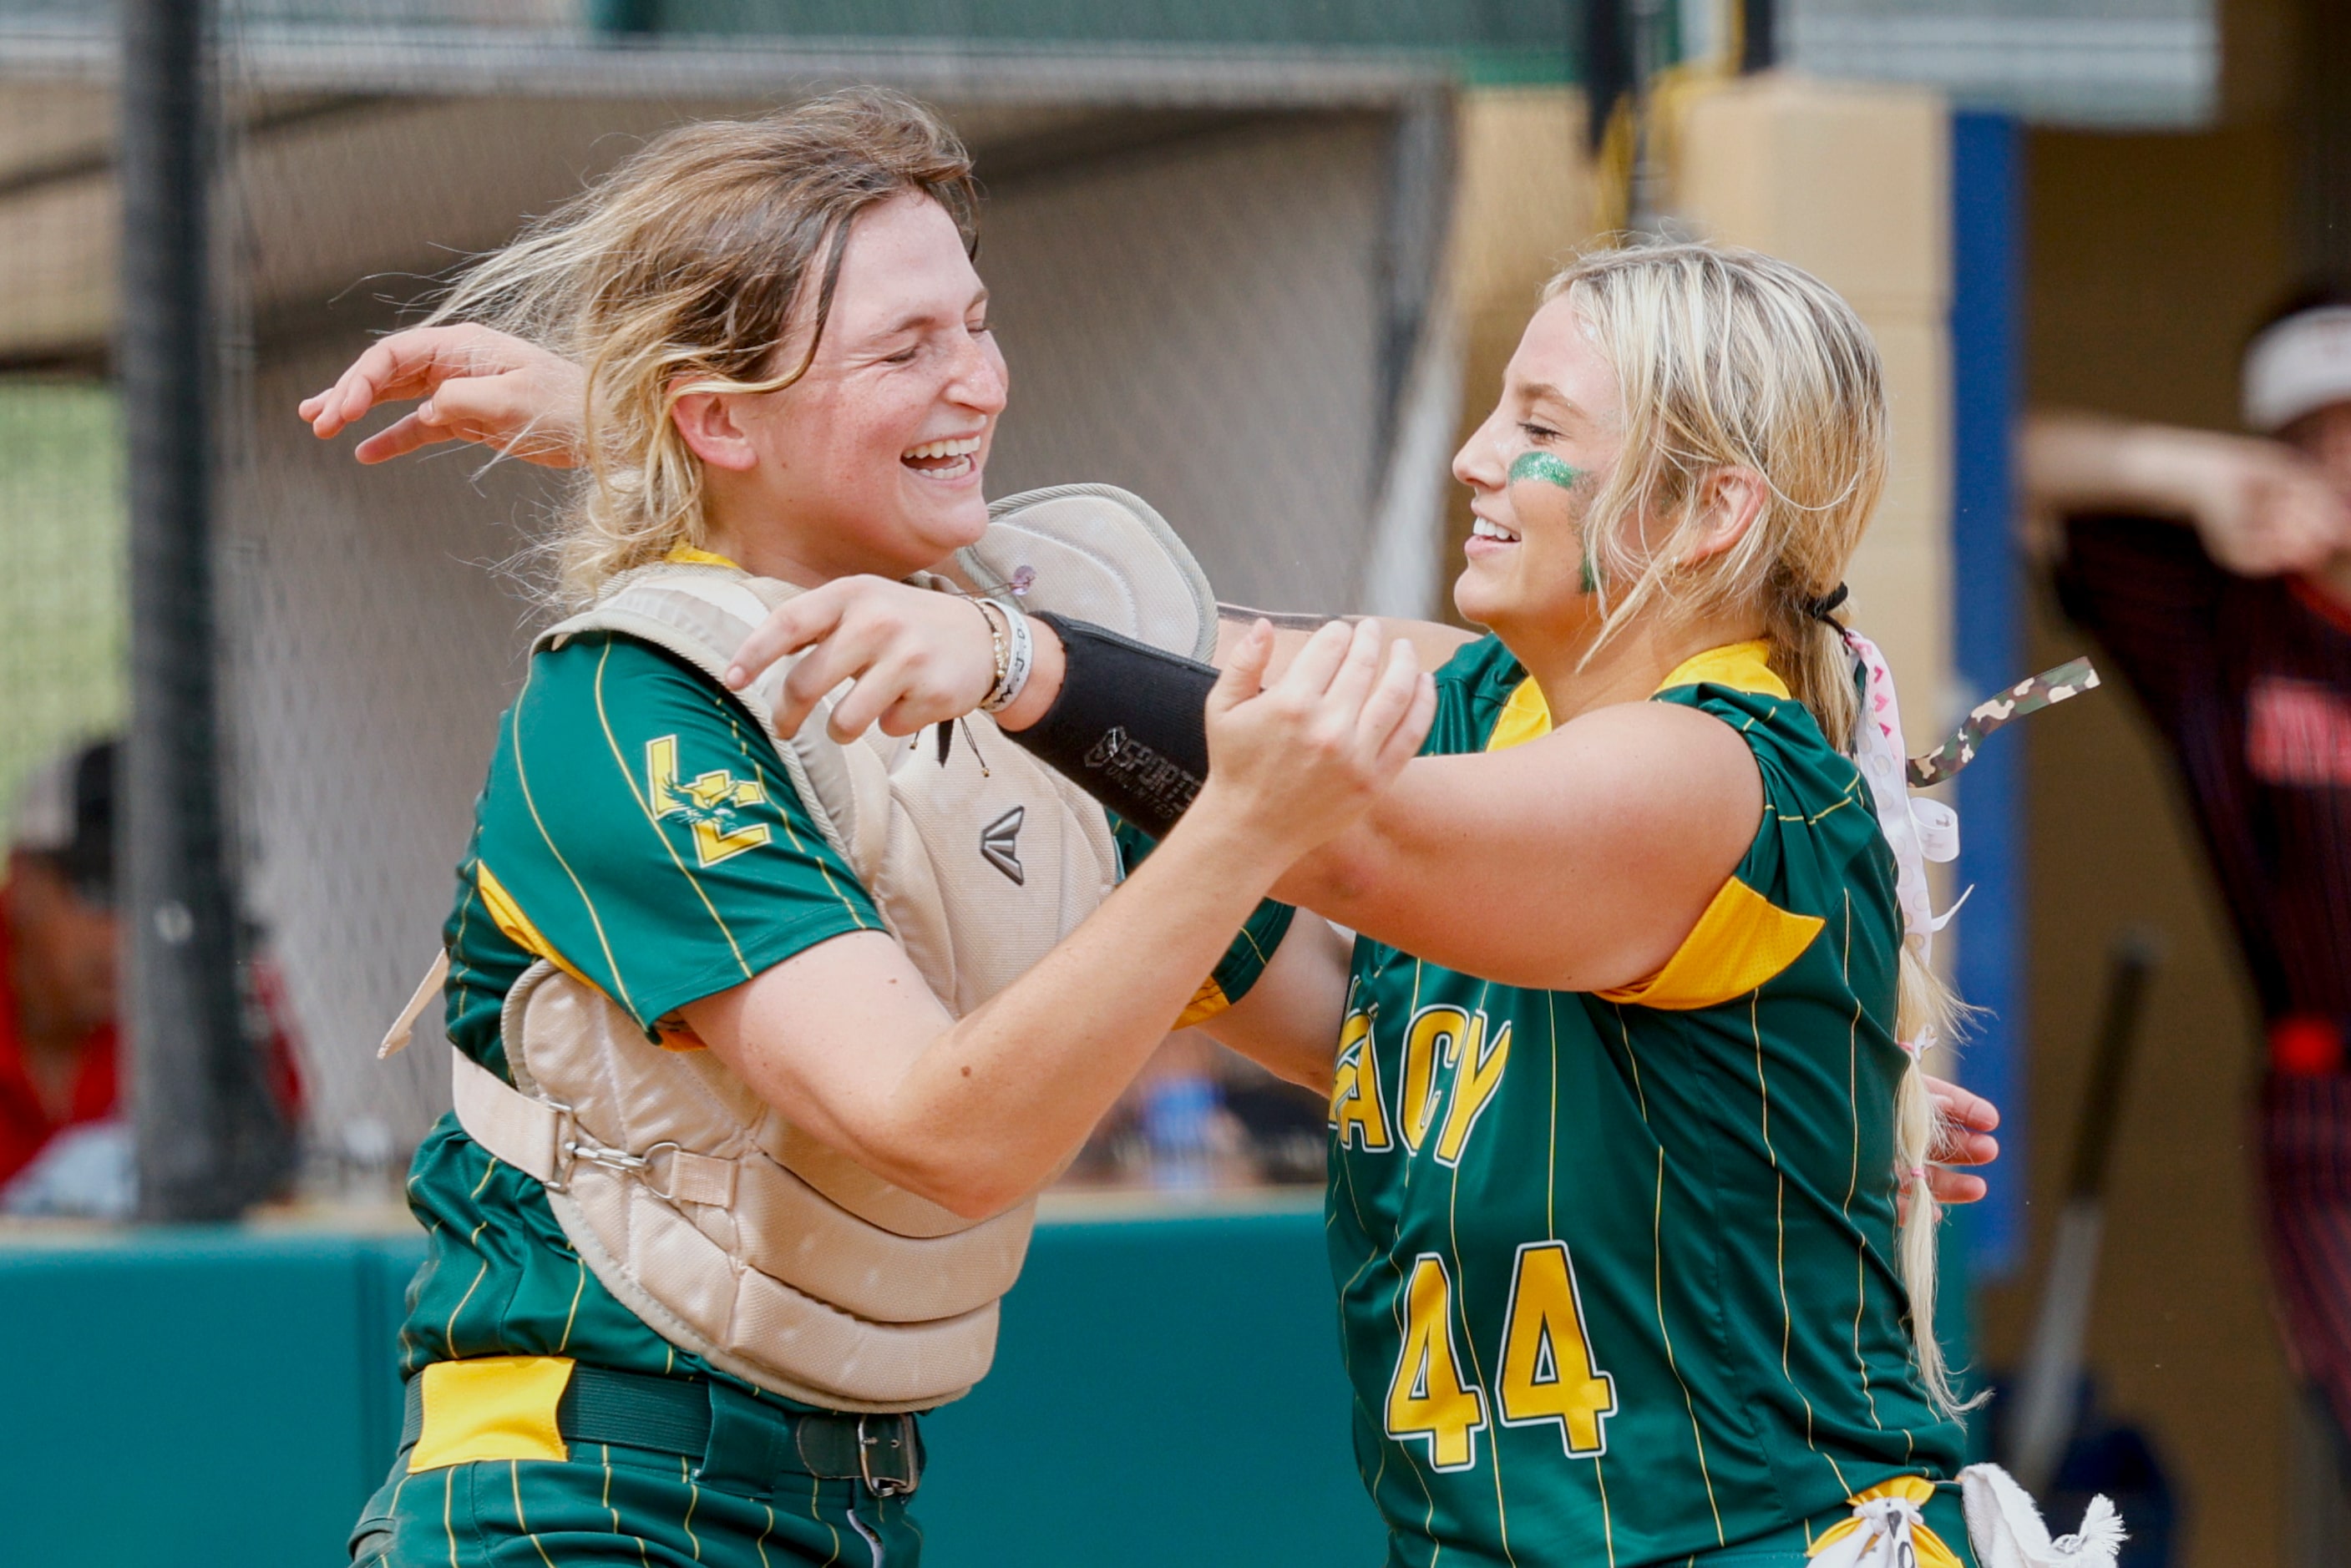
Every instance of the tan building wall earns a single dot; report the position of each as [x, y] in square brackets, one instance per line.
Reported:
[1522, 207]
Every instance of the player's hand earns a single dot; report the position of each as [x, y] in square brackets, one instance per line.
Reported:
[475, 384]
[1963, 1127]
[916, 656]
[1296, 761]
[2261, 507]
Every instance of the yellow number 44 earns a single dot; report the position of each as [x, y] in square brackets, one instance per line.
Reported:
[1547, 1370]
[1428, 1397]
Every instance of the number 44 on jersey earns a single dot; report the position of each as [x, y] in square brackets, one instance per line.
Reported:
[1548, 1378]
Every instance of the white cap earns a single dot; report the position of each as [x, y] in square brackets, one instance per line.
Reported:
[44, 818]
[2298, 366]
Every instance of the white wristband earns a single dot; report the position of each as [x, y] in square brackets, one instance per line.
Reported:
[1007, 690]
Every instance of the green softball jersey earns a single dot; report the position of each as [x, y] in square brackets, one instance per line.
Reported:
[1617, 1273]
[638, 829]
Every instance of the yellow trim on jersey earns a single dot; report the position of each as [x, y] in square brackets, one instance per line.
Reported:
[1525, 717]
[1742, 941]
[688, 555]
[1742, 666]
[1932, 1549]
[491, 1407]
[1206, 1003]
[515, 926]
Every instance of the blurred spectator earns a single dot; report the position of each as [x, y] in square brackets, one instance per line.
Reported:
[2216, 572]
[1287, 1126]
[65, 1145]
[57, 941]
[1201, 1117]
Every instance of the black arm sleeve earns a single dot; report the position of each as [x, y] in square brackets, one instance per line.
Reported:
[1129, 726]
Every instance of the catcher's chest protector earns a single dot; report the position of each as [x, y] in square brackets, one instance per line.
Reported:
[728, 1231]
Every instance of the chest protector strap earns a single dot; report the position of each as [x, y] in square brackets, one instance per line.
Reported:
[732, 1233]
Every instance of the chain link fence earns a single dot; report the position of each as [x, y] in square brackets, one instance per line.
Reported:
[1213, 288]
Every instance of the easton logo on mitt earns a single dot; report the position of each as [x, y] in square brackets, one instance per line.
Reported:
[1000, 844]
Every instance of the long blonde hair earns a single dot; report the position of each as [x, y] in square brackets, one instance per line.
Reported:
[1727, 358]
[685, 270]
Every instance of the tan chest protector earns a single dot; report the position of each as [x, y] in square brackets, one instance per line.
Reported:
[732, 1233]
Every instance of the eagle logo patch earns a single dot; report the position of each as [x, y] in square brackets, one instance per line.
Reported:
[714, 804]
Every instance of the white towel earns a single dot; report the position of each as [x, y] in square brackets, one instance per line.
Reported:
[2006, 1527]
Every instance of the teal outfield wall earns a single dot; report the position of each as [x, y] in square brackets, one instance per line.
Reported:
[1168, 1392]
[1492, 40]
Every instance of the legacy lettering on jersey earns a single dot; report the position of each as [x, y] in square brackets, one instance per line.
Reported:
[1358, 1108]
[1451, 1070]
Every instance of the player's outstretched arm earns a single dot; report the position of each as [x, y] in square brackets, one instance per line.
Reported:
[917, 657]
[1433, 640]
[1576, 862]
[976, 1113]
[1606, 839]
[470, 383]
[2259, 506]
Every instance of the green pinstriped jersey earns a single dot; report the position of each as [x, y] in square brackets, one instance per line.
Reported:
[638, 829]
[1617, 1271]
[656, 903]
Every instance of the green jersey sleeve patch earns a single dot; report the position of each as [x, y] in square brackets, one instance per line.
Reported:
[638, 830]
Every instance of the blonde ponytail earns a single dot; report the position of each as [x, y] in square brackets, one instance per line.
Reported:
[1927, 1011]
[1811, 655]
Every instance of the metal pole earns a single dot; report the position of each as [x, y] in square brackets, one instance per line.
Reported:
[1607, 66]
[1758, 35]
[2048, 1404]
[209, 1139]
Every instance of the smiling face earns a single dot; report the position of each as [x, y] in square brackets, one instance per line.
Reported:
[871, 461]
[1533, 469]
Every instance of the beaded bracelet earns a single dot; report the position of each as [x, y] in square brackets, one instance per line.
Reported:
[1012, 665]
[995, 638]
